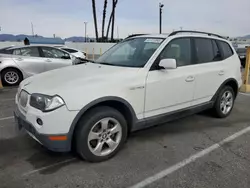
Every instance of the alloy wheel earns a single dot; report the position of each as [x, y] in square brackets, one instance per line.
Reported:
[105, 136]
[226, 102]
[11, 77]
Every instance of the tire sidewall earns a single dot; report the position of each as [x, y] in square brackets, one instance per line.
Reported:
[85, 126]
[219, 113]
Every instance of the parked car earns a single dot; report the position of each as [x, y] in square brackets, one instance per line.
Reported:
[242, 55]
[18, 63]
[142, 81]
[73, 51]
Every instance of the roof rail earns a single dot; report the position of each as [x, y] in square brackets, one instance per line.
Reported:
[200, 32]
[134, 35]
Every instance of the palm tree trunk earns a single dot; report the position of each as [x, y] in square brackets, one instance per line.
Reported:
[111, 18]
[95, 19]
[113, 21]
[104, 17]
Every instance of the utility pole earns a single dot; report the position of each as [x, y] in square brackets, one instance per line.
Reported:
[117, 32]
[160, 10]
[85, 23]
[32, 29]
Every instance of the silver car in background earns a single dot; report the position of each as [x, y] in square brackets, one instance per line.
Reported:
[18, 63]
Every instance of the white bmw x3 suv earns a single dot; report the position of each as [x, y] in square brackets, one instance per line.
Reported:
[142, 81]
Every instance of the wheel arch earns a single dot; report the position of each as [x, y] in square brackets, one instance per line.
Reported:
[123, 106]
[229, 82]
[12, 67]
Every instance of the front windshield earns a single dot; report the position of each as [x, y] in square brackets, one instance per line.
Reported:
[133, 52]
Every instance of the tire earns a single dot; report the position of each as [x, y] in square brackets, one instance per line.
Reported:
[243, 62]
[6, 77]
[91, 132]
[228, 102]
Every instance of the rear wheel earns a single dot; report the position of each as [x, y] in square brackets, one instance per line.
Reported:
[11, 77]
[100, 134]
[224, 102]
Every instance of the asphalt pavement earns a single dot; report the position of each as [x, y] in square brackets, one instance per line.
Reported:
[192, 152]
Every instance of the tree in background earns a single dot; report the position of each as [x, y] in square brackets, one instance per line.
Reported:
[104, 16]
[111, 18]
[95, 19]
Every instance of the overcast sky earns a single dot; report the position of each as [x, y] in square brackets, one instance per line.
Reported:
[66, 17]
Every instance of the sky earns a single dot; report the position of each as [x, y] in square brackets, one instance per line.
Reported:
[66, 18]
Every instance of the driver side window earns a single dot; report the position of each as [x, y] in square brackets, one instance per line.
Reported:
[178, 49]
[54, 53]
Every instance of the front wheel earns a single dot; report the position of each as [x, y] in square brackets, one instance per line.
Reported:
[100, 134]
[224, 102]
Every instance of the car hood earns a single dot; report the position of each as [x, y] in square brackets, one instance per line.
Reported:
[70, 78]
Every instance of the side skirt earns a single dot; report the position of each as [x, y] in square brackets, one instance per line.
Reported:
[170, 116]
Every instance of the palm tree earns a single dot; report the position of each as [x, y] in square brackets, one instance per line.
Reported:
[111, 16]
[104, 17]
[113, 20]
[95, 19]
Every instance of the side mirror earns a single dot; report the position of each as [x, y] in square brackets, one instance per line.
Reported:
[168, 64]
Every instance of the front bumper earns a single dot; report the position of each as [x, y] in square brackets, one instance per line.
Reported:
[44, 139]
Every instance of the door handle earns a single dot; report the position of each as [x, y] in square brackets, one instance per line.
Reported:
[221, 72]
[19, 59]
[48, 60]
[190, 79]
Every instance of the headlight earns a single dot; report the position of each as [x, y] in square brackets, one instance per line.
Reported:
[46, 103]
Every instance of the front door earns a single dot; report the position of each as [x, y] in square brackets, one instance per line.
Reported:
[172, 89]
[55, 58]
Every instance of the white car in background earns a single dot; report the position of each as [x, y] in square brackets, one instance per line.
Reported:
[20, 62]
[73, 51]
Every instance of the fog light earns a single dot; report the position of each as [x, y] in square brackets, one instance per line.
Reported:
[39, 121]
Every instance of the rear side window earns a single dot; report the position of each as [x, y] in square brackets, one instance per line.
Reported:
[204, 50]
[31, 51]
[69, 50]
[216, 52]
[226, 49]
[5, 50]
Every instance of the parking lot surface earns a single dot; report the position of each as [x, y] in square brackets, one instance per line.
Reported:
[180, 154]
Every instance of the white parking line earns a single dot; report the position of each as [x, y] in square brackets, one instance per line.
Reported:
[189, 160]
[47, 167]
[5, 118]
[8, 99]
[245, 94]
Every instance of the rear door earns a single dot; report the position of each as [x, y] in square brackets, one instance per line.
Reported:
[209, 70]
[55, 58]
[29, 60]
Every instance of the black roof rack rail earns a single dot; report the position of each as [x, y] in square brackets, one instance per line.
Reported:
[134, 35]
[200, 32]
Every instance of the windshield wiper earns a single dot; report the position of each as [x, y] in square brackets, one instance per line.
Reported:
[103, 63]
